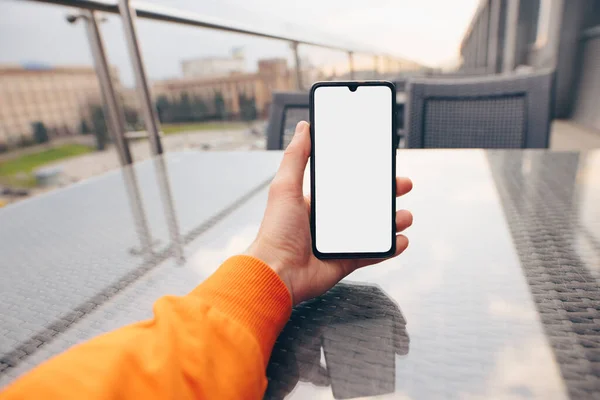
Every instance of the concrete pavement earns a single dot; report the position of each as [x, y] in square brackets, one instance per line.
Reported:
[78, 168]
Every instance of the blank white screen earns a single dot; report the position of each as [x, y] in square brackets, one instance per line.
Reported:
[353, 169]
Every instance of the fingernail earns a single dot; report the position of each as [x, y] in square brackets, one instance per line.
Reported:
[300, 126]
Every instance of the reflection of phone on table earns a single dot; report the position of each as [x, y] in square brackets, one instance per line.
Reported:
[353, 169]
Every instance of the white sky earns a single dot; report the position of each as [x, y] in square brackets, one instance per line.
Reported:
[426, 31]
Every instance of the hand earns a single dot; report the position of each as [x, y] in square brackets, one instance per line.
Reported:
[284, 240]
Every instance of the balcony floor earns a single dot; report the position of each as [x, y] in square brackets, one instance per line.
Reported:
[568, 135]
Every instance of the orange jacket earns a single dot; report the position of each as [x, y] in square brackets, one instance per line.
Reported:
[215, 342]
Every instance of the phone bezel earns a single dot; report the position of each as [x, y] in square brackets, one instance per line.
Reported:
[328, 256]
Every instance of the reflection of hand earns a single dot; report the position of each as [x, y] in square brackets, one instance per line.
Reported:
[360, 330]
[284, 241]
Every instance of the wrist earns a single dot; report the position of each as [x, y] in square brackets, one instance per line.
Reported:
[272, 262]
[245, 289]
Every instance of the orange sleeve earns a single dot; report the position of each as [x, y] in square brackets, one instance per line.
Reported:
[215, 342]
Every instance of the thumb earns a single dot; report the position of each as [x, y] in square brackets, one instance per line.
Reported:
[295, 157]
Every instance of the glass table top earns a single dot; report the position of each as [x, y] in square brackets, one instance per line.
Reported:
[479, 306]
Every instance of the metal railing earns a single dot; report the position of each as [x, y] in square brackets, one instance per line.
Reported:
[129, 12]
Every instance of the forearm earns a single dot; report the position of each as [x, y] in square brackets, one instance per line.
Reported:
[196, 346]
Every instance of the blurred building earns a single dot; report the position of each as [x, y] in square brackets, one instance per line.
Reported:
[211, 67]
[59, 97]
[512, 35]
[272, 75]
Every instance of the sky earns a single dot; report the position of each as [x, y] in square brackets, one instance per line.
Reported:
[425, 31]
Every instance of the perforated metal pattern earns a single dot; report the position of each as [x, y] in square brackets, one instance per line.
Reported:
[474, 123]
[474, 331]
[552, 205]
[134, 302]
[473, 326]
[66, 254]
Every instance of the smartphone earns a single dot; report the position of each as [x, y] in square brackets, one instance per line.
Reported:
[353, 169]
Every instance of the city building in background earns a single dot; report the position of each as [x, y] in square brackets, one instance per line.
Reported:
[513, 35]
[229, 92]
[212, 67]
[60, 98]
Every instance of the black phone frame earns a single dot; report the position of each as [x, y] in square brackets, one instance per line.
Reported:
[348, 84]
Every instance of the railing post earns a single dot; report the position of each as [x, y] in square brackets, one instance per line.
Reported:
[351, 64]
[128, 16]
[139, 216]
[298, 66]
[162, 176]
[510, 36]
[113, 110]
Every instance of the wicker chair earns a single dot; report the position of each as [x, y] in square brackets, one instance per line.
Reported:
[484, 112]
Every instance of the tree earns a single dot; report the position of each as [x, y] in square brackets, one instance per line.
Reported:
[132, 118]
[99, 124]
[248, 110]
[219, 106]
[184, 108]
[199, 109]
[163, 107]
[40, 133]
[84, 129]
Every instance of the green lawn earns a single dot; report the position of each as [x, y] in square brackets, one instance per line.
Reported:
[201, 126]
[18, 171]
